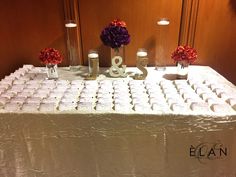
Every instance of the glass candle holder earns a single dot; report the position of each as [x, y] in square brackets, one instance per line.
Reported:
[160, 62]
[72, 36]
[141, 64]
[93, 61]
[141, 53]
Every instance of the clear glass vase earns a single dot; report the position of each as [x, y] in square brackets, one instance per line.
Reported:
[118, 52]
[163, 32]
[93, 62]
[117, 68]
[141, 53]
[72, 35]
[182, 70]
[52, 71]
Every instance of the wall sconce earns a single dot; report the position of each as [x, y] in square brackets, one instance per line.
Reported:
[160, 62]
[72, 35]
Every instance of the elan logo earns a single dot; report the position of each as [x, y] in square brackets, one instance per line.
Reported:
[208, 151]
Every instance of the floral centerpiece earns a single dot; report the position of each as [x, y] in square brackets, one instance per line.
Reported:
[184, 56]
[51, 57]
[116, 35]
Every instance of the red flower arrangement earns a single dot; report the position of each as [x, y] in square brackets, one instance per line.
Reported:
[50, 56]
[184, 54]
[117, 22]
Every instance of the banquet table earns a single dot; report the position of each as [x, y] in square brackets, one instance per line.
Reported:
[117, 127]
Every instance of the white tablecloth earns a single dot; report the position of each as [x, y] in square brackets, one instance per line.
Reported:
[77, 143]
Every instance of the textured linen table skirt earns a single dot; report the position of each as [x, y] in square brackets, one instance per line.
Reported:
[116, 145]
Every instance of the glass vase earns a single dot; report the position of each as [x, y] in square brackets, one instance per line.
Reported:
[141, 64]
[93, 62]
[52, 71]
[117, 68]
[141, 53]
[163, 32]
[118, 52]
[72, 34]
[182, 70]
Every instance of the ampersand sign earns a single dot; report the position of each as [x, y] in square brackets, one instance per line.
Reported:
[115, 70]
[141, 64]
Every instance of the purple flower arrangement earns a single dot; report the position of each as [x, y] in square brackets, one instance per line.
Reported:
[115, 34]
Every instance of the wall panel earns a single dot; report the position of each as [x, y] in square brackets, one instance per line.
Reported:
[27, 26]
[141, 17]
[215, 38]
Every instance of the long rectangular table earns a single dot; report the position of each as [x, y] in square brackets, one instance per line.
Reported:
[117, 127]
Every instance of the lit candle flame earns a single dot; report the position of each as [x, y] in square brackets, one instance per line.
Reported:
[163, 22]
[70, 25]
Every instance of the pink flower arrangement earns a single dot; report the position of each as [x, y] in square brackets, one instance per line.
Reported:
[50, 56]
[184, 54]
